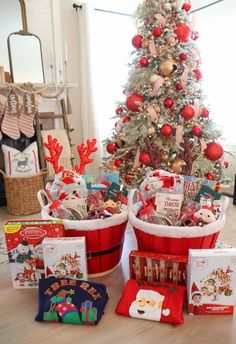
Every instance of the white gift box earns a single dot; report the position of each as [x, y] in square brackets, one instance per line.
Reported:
[211, 281]
[65, 258]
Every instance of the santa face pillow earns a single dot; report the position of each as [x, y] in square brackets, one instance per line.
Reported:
[21, 164]
[158, 302]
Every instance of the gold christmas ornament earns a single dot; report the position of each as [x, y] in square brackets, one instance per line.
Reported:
[165, 157]
[170, 40]
[72, 143]
[151, 131]
[167, 67]
[168, 83]
[71, 128]
[145, 43]
[177, 165]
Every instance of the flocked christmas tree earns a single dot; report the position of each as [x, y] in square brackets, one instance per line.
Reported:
[165, 121]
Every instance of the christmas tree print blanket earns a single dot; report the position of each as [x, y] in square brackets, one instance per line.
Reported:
[157, 301]
[71, 301]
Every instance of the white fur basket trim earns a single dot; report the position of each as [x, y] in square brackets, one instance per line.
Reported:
[90, 225]
[179, 232]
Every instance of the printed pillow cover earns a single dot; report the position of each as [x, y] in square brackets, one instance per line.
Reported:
[21, 164]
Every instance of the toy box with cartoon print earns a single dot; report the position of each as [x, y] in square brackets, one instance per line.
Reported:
[211, 281]
[65, 257]
[23, 240]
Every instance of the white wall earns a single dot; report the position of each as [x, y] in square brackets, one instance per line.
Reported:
[56, 22]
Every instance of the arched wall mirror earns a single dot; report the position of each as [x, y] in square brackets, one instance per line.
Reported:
[25, 54]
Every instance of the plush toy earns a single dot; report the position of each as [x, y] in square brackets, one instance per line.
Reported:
[203, 216]
[111, 206]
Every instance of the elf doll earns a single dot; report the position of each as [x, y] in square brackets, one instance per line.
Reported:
[195, 308]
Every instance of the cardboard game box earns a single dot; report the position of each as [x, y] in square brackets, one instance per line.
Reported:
[211, 281]
[65, 258]
[23, 240]
[156, 267]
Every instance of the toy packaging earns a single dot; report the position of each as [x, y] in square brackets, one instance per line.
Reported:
[65, 257]
[157, 301]
[70, 301]
[152, 267]
[23, 240]
[211, 281]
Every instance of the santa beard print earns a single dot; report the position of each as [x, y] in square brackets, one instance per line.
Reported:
[148, 305]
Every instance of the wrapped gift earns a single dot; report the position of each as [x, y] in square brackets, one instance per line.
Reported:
[151, 267]
[65, 257]
[211, 281]
[24, 245]
[88, 312]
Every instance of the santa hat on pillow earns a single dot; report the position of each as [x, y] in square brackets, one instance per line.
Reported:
[195, 290]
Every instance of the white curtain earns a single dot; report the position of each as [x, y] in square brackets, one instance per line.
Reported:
[89, 127]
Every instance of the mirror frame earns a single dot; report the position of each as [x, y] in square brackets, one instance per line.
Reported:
[23, 32]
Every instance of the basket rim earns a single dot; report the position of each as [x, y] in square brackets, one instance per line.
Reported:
[85, 225]
[40, 174]
[178, 232]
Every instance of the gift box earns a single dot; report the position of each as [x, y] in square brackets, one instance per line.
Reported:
[24, 246]
[151, 267]
[65, 257]
[211, 281]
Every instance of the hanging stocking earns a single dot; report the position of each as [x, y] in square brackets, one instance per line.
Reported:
[26, 119]
[10, 120]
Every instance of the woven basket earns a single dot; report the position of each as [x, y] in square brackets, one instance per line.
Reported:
[21, 194]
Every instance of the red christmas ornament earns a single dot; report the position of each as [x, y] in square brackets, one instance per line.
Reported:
[119, 110]
[187, 112]
[205, 113]
[111, 147]
[168, 102]
[183, 56]
[144, 158]
[126, 119]
[198, 74]
[196, 130]
[210, 176]
[143, 62]
[166, 130]
[132, 102]
[128, 178]
[118, 162]
[179, 87]
[225, 164]
[186, 7]
[214, 151]
[157, 31]
[183, 32]
[137, 41]
[195, 36]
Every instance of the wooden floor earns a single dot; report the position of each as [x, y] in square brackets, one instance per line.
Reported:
[19, 307]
